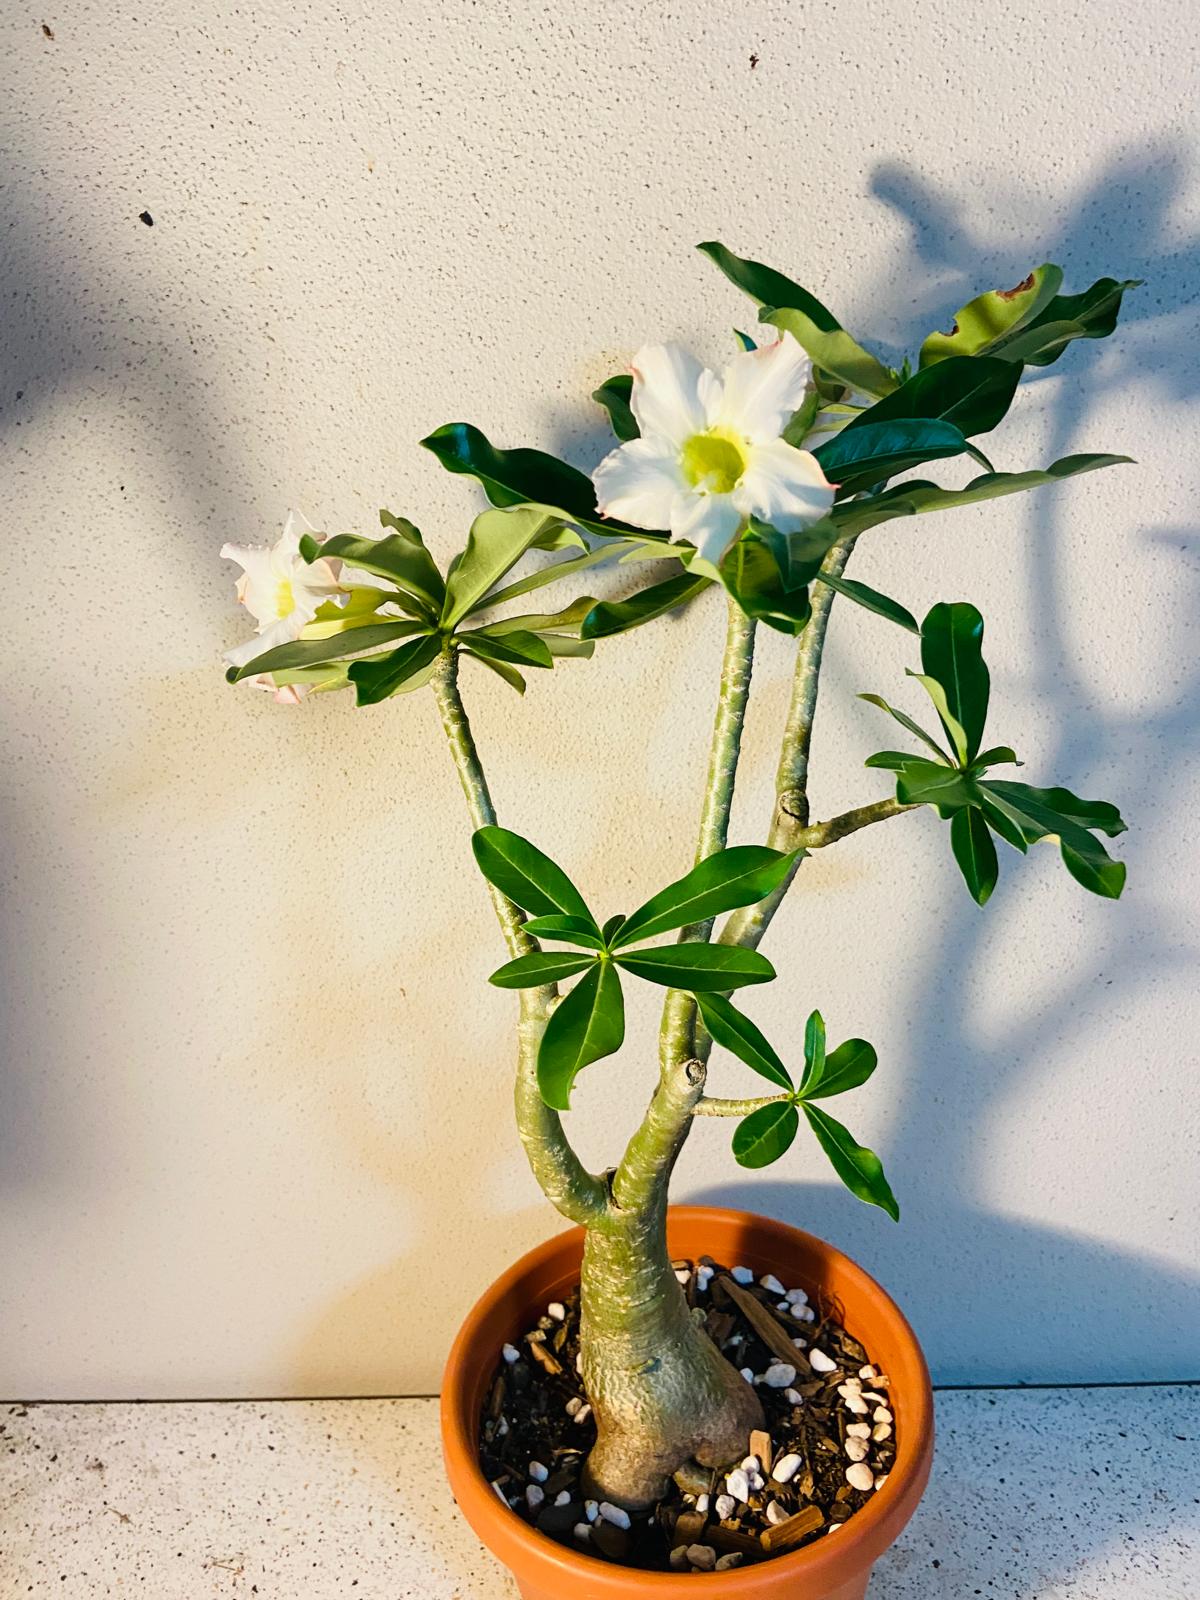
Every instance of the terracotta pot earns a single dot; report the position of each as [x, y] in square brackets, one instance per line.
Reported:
[834, 1568]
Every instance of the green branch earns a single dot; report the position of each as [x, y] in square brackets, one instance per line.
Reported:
[823, 833]
[716, 1107]
[578, 1194]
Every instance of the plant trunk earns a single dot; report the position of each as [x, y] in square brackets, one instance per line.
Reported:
[662, 1393]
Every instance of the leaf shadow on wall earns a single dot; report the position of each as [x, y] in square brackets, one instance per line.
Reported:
[1048, 1304]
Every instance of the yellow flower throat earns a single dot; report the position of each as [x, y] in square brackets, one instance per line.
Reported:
[714, 461]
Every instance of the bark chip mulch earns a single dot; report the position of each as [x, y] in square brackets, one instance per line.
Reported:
[827, 1445]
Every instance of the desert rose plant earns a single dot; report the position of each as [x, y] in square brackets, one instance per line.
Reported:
[760, 480]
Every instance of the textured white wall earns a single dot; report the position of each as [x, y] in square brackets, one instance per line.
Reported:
[256, 1132]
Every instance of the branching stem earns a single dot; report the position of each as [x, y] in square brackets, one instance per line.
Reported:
[716, 1107]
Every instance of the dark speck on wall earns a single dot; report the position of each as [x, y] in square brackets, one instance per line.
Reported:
[753, 61]
[145, 217]
[47, 30]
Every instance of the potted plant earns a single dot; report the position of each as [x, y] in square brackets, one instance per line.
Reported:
[661, 1392]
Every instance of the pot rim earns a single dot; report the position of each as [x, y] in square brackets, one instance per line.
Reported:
[858, 1544]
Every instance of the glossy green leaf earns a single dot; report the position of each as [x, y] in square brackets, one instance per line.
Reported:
[1090, 315]
[526, 875]
[814, 1047]
[618, 616]
[397, 557]
[905, 721]
[952, 653]
[377, 678]
[497, 541]
[567, 620]
[563, 644]
[919, 497]
[744, 339]
[871, 600]
[971, 841]
[313, 652]
[615, 549]
[766, 1134]
[955, 731]
[421, 576]
[768, 573]
[517, 648]
[983, 322]
[997, 755]
[572, 930]
[724, 881]
[859, 1169]
[1068, 819]
[585, 1026]
[972, 392]
[699, 968]
[735, 1032]
[512, 477]
[850, 1065]
[539, 968]
[506, 673]
[928, 783]
[856, 458]
[614, 396]
[813, 325]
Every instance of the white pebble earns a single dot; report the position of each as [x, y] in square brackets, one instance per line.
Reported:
[850, 1386]
[775, 1513]
[856, 1407]
[875, 1399]
[704, 1276]
[582, 1531]
[860, 1476]
[702, 1556]
[771, 1284]
[783, 1305]
[738, 1485]
[678, 1557]
[798, 1296]
[538, 1472]
[500, 1491]
[583, 1413]
[801, 1344]
[882, 1414]
[579, 1362]
[881, 1480]
[858, 1430]
[511, 1353]
[868, 1373]
[793, 1396]
[534, 1495]
[856, 1449]
[752, 1465]
[682, 1275]
[591, 1509]
[742, 1275]
[883, 1430]
[733, 1559]
[832, 1528]
[563, 1498]
[614, 1514]
[748, 1374]
[702, 1502]
[502, 1427]
[786, 1468]
[557, 1310]
[820, 1362]
[809, 1315]
[726, 1506]
[573, 1405]
[779, 1375]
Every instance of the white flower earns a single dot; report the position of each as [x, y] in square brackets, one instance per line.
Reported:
[281, 590]
[710, 453]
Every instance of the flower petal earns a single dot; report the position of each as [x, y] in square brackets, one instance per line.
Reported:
[666, 393]
[639, 481]
[281, 632]
[294, 528]
[709, 521]
[784, 486]
[763, 388]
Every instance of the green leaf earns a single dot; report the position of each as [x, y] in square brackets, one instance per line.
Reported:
[538, 968]
[735, 1032]
[1090, 315]
[567, 620]
[528, 877]
[952, 653]
[1056, 813]
[511, 477]
[859, 1169]
[744, 339]
[768, 578]
[398, 558]
[713, 968]
[905, 722]
[814, 1047]
[928, 783]
[379, 677]
[972, 392]
[918, 497]
[420, 576]
[497, 541]
[312, 652]
[955, 731]
[999, 753]
[609, 931]
[871, 600]
[508, 674]
[984, 321]
[573, 930]
[616, 549]
[517, 648]
[858, 457]
[562, 644]
[801, 314]
[724, 881]
[850, 1065]
[585, 1026]
[971, 841]
[618, 616]
[614, 396]
[766, 1134]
